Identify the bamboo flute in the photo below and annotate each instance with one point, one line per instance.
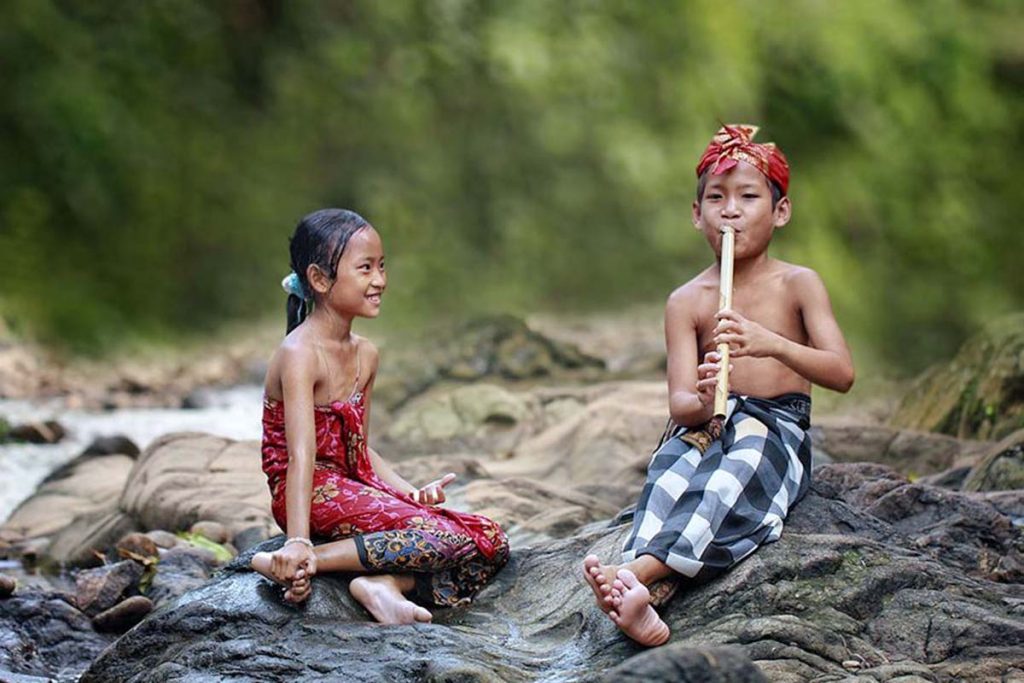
(724, 301)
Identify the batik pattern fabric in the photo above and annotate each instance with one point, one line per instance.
(452, 554)
(735, 143)
(701, 512)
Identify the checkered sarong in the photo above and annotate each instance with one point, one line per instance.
(702, 513)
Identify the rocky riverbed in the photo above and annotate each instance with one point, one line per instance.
(905, 562)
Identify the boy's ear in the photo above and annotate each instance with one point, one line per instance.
(696, 214)
(317, 279)
(783, 212)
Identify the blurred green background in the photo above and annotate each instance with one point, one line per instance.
(516, 155)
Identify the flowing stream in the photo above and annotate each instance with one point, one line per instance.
(234, 412)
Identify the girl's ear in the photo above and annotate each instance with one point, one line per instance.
(317, 279)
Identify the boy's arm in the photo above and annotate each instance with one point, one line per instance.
(824, 361)
(686, 405)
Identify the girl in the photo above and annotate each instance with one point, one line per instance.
(325, 482)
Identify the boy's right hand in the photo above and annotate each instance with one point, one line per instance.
(286, 561)
(707, 377)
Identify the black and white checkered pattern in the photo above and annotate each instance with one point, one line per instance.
(701, 514)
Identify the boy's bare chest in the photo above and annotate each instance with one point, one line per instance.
(765, 303)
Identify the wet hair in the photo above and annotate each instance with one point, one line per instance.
(777, 193)
(320, 239)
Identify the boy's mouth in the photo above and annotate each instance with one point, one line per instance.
(375, 297)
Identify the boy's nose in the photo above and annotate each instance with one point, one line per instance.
(730, 209)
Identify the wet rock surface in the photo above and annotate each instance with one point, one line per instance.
(856, 586)
(979, 394)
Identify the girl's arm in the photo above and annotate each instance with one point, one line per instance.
(298, 378)
(430, 494)
(382, 468)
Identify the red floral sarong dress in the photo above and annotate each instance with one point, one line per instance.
(451, 554)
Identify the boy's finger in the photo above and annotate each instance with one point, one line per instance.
(447, 479)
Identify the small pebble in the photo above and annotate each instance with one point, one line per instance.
(123, 615)
(7, 585)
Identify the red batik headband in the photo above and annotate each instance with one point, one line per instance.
(735, 143)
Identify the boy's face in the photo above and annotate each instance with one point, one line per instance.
(742, 198)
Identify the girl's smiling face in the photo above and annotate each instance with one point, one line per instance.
(361, 279)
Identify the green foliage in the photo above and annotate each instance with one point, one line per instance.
(514, 155)
(221, 553)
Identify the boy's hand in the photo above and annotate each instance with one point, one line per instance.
(744, 337)
(707, 377)
(433, 493)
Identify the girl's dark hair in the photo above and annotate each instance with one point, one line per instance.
(320, 239)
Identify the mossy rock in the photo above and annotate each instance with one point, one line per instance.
(979, 394)
(1001, 469)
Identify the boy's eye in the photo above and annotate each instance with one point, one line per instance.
(751, 195)
(713, 195)
(382, 265)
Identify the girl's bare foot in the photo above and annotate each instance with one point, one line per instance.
(633, 613)
(296, 591)
(382, 598)
(599, 577)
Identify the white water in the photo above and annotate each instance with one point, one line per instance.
(233, 413)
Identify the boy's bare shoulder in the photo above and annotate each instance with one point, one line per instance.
(798, 277)
(693, 291)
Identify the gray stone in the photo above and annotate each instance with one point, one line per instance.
(99, 589)
(900, 591)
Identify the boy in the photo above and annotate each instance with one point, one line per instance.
(708, 503)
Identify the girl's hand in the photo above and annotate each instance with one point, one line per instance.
(433, 493)
(744, 337)
(286, 562)
(707, 377)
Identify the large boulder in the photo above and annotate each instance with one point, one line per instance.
(501, 346)
(1001, 469)
(979, 394)
(180, 479)
(875, 579)
(187, 477)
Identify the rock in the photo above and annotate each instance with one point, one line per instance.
(138, 545)
(163, 539)
(123, 615)
(85, 486)
(247, 538)
(180, 570)
(911, 452)
(529, 509)
(842, 585)
(44, 636)
(679, 663)
(89, 539)
(979, 394)
(47, 431)
(491, 347)
(215, 531)
(1002, 468)
(99, 589)
(112, 445)
(474, 414)
(7, 585)
(610, 439)
(186, 477)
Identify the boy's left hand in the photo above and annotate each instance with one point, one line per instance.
(744, 337)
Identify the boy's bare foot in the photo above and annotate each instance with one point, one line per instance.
(599, 577)
(382, 598)
(633, 613)
(296, 591)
